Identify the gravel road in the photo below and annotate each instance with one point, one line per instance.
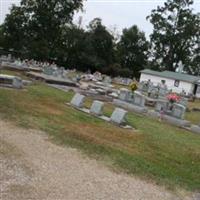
(32, 167)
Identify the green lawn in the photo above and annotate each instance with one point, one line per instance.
(156, 151)
(193, 116)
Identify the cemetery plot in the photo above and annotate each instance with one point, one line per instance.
(134, 152)
(118, 116)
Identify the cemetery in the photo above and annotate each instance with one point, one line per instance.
(100, 101)
(86, 124)
(148, 98)
(103, 111)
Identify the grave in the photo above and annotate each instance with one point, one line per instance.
(118, 116)
(195, 128)
(139, 99)
(78, 100)
(161, 104)
(178, 111)
(97, 108)
(11, 81)
(170, 119)
(183, 101)
(162, 92)
(124, 94)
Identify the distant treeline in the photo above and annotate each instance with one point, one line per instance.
(43, 30)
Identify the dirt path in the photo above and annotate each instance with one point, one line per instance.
(34, 168)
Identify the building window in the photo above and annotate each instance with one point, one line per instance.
(176, 83)
(163, 81)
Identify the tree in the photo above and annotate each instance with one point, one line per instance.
(14, 29)
(71, 50)
(99, 45)
(36, 25)
(175, 36)
(132, 50)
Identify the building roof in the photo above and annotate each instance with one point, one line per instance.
(173, 75)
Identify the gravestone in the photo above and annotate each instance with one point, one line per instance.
(161, 104)
(162, 92)
(97, 108)
(195, 128)
(124, 94)
(17, 83)
(78, 100)
(183, 101)
(139, 99)
(178, 111)
(118, 116)
(48, 70)
(153, 92)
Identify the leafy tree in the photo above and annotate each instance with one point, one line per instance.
(132, 50)
(99, 45)
(175, 36)
(36, 25)
(71, 50)
(14, 28)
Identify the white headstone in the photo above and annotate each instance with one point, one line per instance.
(178, 111)
(17, 83)
(118, 116)
(161, 104)
(139, 99)
(78, 100)
(97, 108)
(124, 94)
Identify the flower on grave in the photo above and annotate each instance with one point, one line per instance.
(173, 97)
(133, 86)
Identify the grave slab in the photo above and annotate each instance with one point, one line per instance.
(170, 119)
(178, 111)
(118, 116)
(78, 100)
(130, 106)
(195, 129)
(97, 108)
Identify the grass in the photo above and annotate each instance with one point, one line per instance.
(157, 151)
(193, 116)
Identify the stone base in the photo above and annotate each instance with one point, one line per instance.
(170, 119)
(195, 129)
(129, 106)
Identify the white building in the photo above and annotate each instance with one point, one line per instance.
(177, 82)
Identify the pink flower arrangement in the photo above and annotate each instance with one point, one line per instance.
(173, 97)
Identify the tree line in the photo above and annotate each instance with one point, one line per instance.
(44, 30)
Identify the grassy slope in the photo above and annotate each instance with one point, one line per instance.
(167, 154)
(194, 117)
(158, 151)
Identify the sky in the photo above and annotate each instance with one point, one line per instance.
(116, 14)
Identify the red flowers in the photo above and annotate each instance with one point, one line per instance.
(173, 97)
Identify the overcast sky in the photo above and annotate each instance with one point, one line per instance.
(114, 13)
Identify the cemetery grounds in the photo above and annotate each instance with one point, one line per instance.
(154, 151)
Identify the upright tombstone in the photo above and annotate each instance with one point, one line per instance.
(162, 91)
(139, 99)
(195, 128)
(119, 116)
(124, 94)
(97, 108)
(17, 83)
(161, 104)
(78, 100)
(48, 70)
(183, 101)
(178, 111)
(153, 92)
